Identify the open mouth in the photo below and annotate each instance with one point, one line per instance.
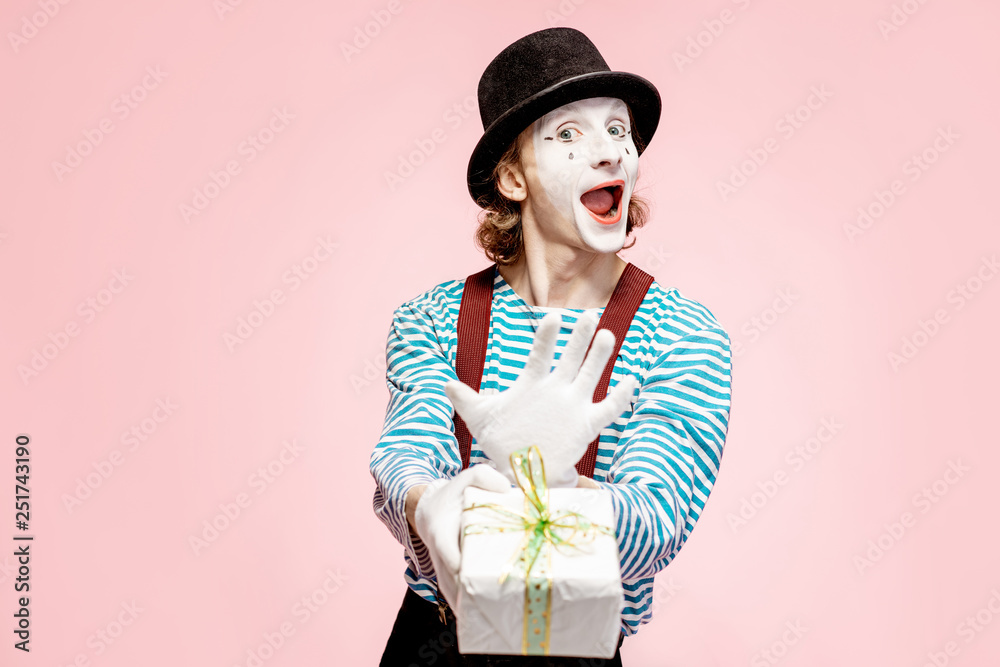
(604, 201)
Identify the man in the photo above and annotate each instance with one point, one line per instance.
(555, 172)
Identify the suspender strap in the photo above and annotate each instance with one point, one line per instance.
(473, 332)
(617, 316)
(474, 327)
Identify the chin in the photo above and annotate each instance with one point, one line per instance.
(609, 241)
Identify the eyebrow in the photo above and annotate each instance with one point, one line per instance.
(619, 109)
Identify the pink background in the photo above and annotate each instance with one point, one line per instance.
(312, 372)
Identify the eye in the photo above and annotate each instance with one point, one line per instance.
(617, 130)
(566, 133)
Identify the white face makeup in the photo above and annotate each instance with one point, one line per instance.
(587, 165)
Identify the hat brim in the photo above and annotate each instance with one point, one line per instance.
(641, 96)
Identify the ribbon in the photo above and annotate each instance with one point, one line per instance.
(543, 531)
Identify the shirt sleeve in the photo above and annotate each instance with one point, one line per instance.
(418, 443)
(668, 456)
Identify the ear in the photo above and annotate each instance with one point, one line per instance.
(511, 182)
(510, 177)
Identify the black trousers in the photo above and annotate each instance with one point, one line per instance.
(420, 639)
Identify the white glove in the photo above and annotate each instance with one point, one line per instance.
(551, 409)
(438, 519)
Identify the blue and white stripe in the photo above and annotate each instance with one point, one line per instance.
(659, 459)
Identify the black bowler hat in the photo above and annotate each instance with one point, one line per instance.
(541, 72)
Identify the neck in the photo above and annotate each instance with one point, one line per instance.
(566, 278)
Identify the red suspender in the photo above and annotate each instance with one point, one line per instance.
(473, 332)
(617, 316)
(474, 328)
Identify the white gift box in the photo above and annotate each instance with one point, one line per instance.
(583, 611)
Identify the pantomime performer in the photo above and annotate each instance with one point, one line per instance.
(640, 408)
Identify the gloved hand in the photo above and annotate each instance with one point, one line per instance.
(438, 520)
(554, 410)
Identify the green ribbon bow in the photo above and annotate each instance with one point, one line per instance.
(543, 531)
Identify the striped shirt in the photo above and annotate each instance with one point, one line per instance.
(659, 459)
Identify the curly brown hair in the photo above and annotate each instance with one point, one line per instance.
(499, 233)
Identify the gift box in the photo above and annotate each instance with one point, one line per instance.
(539, 570)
